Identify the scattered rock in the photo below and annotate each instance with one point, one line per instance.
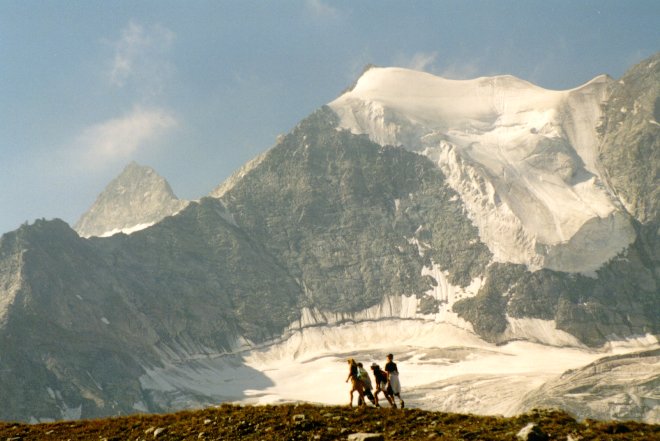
(365, 437)
(532, 432)
(277, 423)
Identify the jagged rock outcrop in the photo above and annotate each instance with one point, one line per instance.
(134, 200)
(353, 221)
(630, 147)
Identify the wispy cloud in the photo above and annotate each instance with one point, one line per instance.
(422, 61)
(139, 57)
(119, 138)
(431, 62)
(460, 71)
(320, 9)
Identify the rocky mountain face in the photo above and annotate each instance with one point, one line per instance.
(329, 223)
(89, 316)
(134, 200)
(630, 147)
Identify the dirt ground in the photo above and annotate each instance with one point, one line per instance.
(312, 422)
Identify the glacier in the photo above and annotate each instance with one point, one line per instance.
(523, 159)
(444, 365)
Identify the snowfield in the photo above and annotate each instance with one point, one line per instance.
(522, 158)
(443, 364)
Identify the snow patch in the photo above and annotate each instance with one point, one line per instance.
(66, 412)
(540, 331)
(71, 413)
(140, 406)
(127, 230)
(631, 344)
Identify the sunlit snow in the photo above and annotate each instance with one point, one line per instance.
(524, 159)
(444, 365)
(127, 230)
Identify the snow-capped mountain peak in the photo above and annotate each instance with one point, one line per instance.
(523, 158)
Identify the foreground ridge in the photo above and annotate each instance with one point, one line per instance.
(308, 421)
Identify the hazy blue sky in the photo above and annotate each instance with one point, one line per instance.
(195, 89)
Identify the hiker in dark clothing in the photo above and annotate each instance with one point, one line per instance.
(363, 375)
(393, 378)
(381, 385)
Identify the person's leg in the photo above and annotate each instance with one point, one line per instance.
(390, 395)
(369, 395)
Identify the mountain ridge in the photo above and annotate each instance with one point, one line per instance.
(325, 240)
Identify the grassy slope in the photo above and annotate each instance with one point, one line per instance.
(306, 421)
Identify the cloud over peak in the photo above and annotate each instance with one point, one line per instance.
(320, 9)
(119, 138)
(139, 57)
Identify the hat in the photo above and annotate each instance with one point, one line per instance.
(374, 365)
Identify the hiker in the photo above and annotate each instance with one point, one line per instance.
(393, 378)
(381, 385)
(363, 375)
(356, 384)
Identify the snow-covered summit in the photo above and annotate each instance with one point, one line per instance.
(523, 158)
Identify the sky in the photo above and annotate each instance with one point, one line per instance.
(195, 89)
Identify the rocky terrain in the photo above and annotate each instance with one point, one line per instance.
(335, 226)
(134, 200)
(310, 422)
